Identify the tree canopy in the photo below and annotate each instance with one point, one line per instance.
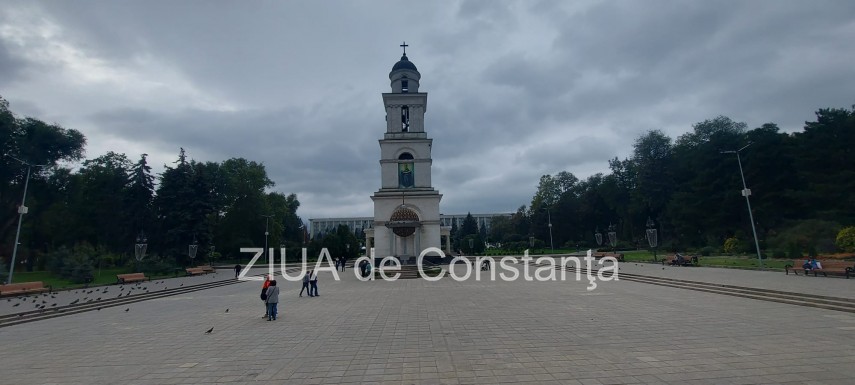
(102, 207)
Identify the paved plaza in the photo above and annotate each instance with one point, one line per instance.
(448, 332)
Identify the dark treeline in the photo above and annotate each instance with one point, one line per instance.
(88, 216)
(802, 191)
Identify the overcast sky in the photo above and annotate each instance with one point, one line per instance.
(515, 89)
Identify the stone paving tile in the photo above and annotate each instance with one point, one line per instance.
(447, 332)
(774, 280)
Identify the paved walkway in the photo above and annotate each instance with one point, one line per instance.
(447, 332)
(774, 280)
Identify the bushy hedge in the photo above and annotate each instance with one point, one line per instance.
(155, 265)
(845, 239)
(4, 271)
(732, 245)
(76, 265)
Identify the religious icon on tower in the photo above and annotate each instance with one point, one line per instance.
(405, 175)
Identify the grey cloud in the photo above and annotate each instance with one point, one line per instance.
(11, 67)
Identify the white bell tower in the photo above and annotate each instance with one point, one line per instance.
(406, 208)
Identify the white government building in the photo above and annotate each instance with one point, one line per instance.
(406, 207)
(320, 226)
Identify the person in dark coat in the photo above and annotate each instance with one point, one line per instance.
(306, 285)
(313, 282)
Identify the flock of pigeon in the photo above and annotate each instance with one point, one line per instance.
(49, 301)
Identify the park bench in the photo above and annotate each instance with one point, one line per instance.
(617, 256)
(195, 271)
(206, 269)
(688, 260)
(841, 268)
(23, 288)
(132, 277)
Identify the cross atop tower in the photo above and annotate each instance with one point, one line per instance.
(404, 46)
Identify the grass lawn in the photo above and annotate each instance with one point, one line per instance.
(106, 277)
(742, 262)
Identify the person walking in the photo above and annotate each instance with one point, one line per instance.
(237, 270)
(272, 301)
(264, 288)
(313, 289)
(343, 261)
(306, 285)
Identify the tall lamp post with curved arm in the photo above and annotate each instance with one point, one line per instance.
(652, 236)
(266, 234)
(139, 248)
(22, 209)
(746, 192)
(192, 249)
(613, 237)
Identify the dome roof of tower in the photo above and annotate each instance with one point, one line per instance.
(404, 64)
(403, 221)
(404, 214)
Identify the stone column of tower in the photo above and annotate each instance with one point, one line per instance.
(406, 208)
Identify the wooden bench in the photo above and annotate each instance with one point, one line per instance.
(132, 277)
(206, 269)
(24, 288)
(833, 267)
(195, 271)
(688, 260)
(617, 256)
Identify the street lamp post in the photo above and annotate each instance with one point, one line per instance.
(139, 248)
(282, 251)
(266, 233)
(747, 192)
(652, 236)
(549, 222)
(612, 237)
(21, 211)
(549, 218)
(191, 251)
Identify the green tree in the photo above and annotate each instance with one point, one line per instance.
(244, 203)
(455, 235)
(732, 245)
(36, 142)
(140, 196)
(652, 159)
(705, 179)
(825, 159)
(500, 228)
(845, 239)
(185, 205)
(99, 202)
(548, 193)
(521, 222)
(469, 226)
